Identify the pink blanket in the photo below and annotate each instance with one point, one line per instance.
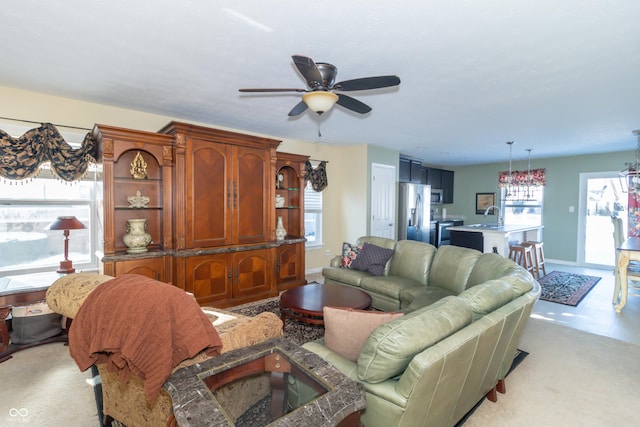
(137, 324)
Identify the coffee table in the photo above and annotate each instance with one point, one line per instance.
(305, 390)
(305, 303)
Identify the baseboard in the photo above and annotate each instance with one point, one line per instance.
(560, 262)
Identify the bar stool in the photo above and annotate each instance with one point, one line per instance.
(522, 255)
(538, 257)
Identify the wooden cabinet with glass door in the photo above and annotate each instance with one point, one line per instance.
(290, 254)
(137, 184)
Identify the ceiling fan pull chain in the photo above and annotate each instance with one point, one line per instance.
(319, 132)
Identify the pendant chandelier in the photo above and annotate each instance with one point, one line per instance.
(630, 176)
(529, 180)
(510, 186)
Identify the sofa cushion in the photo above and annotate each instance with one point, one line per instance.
(488, 296)
(414, 298)
(347, 329)
(344, 275)
(372, 258)
(391, 286)
(391, 347)
(349, 253)
(452, 266)
(412, 260)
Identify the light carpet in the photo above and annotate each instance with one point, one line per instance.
(42, 386)
(570, 377)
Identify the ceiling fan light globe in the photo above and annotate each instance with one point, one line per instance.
(320, 101)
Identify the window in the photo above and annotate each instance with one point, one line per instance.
(312, 216)
(26, 209)
(523, 207)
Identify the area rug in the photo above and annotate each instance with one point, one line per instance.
(298, 332)
(566, 288)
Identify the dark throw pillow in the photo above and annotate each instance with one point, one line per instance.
(372, 258)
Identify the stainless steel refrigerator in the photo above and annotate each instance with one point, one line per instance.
(414, 215)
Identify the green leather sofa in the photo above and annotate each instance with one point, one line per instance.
(465, 312)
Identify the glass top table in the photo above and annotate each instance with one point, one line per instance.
(304, 388)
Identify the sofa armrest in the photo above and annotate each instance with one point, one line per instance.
(66, 295)
(336, 261)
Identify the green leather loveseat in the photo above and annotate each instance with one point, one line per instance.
(464, 316)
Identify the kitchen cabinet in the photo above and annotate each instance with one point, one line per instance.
(440, 179)
(410, 170)
(434, 178)
(447, 186)
(492, 238)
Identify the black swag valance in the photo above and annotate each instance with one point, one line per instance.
(317, 175)
(20, 158)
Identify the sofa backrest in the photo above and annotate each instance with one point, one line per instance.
(391, 347)
(412, 259)
(452, 267)
(378, 241)
(487, 297)
(488, 267)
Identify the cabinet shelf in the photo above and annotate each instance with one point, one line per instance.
(127, 208)
(129, 179)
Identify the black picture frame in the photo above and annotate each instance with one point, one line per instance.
(483, 201)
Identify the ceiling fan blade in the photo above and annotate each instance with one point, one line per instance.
(272, 90)
(298, 109)
(353, 104)
(308, 69)
(367, 83)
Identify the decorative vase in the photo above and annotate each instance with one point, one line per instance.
(279, 201)
(136, 238)
(281, 233)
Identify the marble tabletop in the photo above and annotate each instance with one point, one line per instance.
(194, 404)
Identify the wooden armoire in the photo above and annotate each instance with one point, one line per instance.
(211, 213)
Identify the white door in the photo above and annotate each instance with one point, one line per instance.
(383, 200)
(601, 197)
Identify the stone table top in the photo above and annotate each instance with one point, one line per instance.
(195, 406)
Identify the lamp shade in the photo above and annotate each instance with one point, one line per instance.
(320, 101)
(66, 223)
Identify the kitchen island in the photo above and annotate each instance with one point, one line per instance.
(494, 238)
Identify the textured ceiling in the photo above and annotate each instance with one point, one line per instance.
(559, 77)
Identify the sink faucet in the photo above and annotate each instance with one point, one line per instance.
(497, 210)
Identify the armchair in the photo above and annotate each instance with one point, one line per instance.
(126, 401)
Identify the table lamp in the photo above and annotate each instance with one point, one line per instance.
(66, 223)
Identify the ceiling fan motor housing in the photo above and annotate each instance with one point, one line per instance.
(328, 73)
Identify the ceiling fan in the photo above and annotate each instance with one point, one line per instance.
(321, 96)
